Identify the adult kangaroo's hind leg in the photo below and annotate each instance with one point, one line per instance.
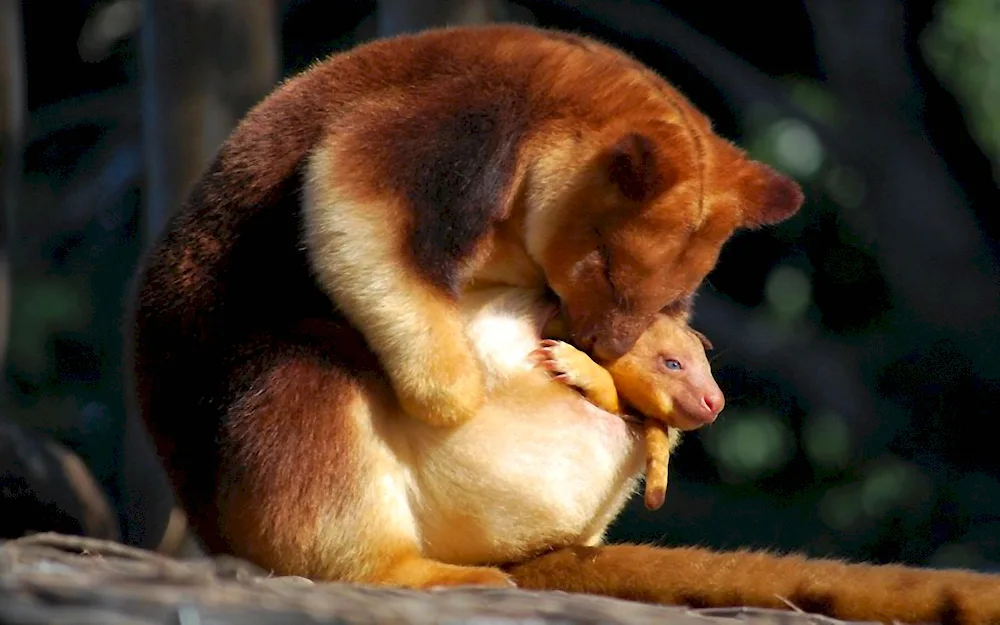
(701, 578)
(417, 572)
(308, 487)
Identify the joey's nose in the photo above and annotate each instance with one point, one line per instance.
(713, 403)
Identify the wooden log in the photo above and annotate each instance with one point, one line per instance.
(50, 578)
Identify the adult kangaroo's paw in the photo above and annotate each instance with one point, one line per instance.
(443, 396)
(424, 573)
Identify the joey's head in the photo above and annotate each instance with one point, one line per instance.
(642, 221)
(666, 375)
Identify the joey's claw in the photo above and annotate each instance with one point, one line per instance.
(552, 357)
(540, 356)
(572, 368)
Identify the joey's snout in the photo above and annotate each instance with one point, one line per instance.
(712, 404)
(705, 405)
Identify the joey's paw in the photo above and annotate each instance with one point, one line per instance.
(563, 361)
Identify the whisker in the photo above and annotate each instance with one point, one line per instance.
(733, 398)
(719, 354)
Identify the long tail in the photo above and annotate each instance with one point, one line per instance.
(700, 578)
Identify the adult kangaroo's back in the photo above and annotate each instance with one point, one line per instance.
(228, 266)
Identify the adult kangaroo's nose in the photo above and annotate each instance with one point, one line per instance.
(608, 347)
(617, 333)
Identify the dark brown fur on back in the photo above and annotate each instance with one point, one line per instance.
(458, 154)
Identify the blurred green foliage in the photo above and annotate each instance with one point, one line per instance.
(40, 308)
(749, 445)
(963, 46)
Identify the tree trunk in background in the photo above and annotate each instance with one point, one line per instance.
(402, 16)
(205, 63)
(11, 135)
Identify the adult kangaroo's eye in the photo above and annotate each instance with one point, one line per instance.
(673, 365)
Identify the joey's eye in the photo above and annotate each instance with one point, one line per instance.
(673, 365)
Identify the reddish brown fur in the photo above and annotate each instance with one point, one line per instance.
(702, 578)
(203, 294)
(295, 390)
(247, 403)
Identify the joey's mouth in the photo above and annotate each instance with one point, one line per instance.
(687, 422)
(677, 419)
(633, 420)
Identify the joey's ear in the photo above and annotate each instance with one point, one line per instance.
(707, 344)
(769, 197)
(639, 164)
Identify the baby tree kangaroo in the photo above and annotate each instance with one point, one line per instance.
(665, 378)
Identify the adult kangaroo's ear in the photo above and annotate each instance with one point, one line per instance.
(768, 197)
(644, 161)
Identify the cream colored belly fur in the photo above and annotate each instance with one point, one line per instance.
(538, 467)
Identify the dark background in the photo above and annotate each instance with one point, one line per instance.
(856, 343)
